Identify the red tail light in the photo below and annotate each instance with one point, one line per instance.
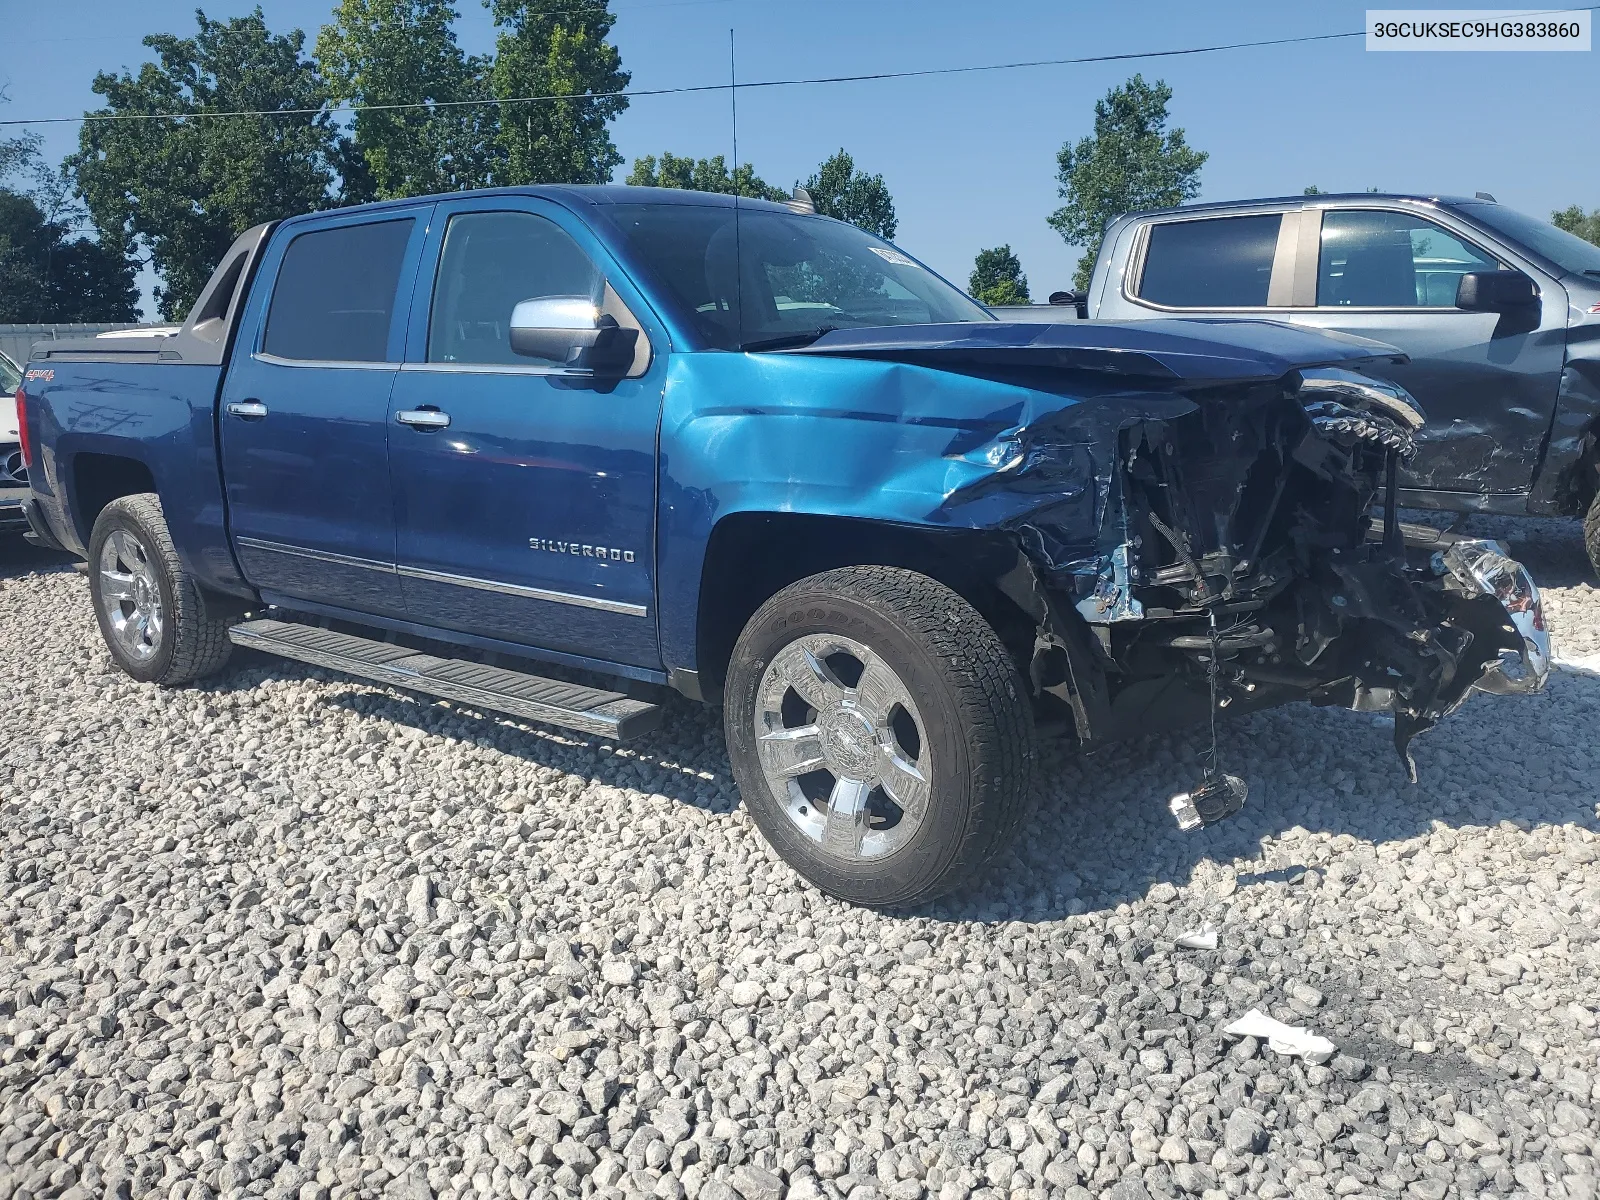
(22, 430)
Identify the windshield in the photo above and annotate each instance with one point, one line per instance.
(1563, 250)
(800, 275)
(10, 375)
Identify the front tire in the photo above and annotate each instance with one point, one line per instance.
(880, 734)
(151, 611)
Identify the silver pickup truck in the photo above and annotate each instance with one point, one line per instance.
(1498, 314)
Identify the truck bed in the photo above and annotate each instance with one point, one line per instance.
(106, 417)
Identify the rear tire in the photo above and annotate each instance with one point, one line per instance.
(880, 734)
(151, 611)
(1591, 533)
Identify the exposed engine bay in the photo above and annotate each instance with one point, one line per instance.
(1240, 567)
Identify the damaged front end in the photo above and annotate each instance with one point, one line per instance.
(1238, 566)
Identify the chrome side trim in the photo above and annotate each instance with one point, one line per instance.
(274, 360)
(530, 593)
(427, 576)
(343, 560)
(446, 368)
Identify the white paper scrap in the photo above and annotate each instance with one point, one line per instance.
(1581, 664)
(1283, 1039)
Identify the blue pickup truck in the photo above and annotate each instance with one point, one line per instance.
(555, 451)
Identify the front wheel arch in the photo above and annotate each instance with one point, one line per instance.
(752, 555)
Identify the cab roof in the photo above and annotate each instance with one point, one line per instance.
(1212, 206)
(571, 194)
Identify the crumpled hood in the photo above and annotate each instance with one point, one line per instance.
(1201, 351)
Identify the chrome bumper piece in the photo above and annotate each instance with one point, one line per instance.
(1483, 567)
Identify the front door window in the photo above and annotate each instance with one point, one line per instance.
(492, 261)
(1374, 259)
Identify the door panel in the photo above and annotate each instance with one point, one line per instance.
(304, 420)
(1487, 381)
(531, 516)
(308, 483)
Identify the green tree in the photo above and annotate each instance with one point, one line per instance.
(45, 273)
(997, 278)
(701, 175)
(839, 190)
(48, 275)
(18, 153)
(1130, 162)
(556, 48)
(1312, 190)
(1574, 220)
(179, 191)
(394, 52)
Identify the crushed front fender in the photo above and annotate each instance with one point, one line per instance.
(1249, 509)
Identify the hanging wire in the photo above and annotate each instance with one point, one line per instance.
(926, 72)
(633, 93)
(1213, 670)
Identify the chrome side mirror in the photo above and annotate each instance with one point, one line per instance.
(572, 331)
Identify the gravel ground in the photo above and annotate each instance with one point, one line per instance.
(294, 936)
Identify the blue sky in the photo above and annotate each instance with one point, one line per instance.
(971, 158)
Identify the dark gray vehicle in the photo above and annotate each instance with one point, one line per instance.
(1498, 313)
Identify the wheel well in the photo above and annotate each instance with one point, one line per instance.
(97, 480)
(751, 556)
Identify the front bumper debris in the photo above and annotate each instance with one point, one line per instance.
(1227, 558)
(1482, 567)
(1219, 796)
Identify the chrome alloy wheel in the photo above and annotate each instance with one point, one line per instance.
(131, 595)
(843, 746)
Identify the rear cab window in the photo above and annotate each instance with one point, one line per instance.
(336, 293)
(1210, 262)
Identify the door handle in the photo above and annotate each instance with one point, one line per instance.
(423, 418)
(250, 410)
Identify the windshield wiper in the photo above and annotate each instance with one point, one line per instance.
(788, 341)
(1591, 270)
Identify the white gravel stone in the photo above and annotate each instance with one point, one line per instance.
(285, 934)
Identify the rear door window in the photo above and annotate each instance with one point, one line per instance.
(1221, 262)
(1374, 259)
(335, 297)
